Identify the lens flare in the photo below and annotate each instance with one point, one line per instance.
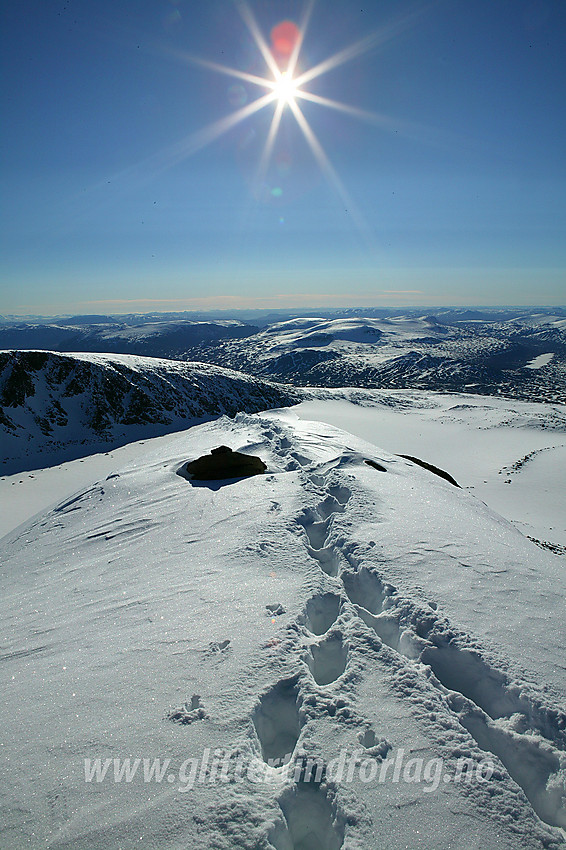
(284, 37)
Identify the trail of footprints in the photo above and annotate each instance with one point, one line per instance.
(478, 695)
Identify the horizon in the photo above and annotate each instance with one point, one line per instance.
(309, 312)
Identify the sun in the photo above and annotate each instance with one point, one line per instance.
(285, 88)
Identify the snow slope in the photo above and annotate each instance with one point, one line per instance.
(324, 609)
(59, 403)
(511, 454)
(342, 334)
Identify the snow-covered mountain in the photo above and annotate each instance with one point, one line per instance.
(394, 642)
(158, 338)
(518, 353)
(522, 358)
(62, 404)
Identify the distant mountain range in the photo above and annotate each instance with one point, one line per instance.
(170, 339)
(520, 358)
(518, 353)
(68, 405)
(264, 318)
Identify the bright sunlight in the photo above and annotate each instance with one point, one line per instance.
(286, 88)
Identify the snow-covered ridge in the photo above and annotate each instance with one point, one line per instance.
(302, 333)
(65, 402)
(154, 338)
(323, 607)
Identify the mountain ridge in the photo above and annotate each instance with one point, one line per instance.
(515, 353)
(71, 403)
(323, 608)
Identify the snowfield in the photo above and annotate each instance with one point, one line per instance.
(510, 454)
(302, 333)
(318, 652)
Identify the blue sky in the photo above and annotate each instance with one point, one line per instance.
(454, 194)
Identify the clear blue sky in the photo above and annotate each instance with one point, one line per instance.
(111, 204)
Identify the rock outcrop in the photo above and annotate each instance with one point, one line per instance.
(432, 468)
(223, 463)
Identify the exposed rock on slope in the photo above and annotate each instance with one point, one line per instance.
(53, 402)
(223, 463)
(432, 468)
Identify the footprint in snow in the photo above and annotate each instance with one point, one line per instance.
(365, 588)
(218, 646)
(188, 712)
(277, 721)
(321, 611)
(481, 697)
(376, 747)
(311, 821)
(327, 660)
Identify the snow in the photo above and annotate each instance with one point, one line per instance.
(152, 329)
(509, 454)
(29, 493)
(324, 611)
(540, 361)
(363, 331)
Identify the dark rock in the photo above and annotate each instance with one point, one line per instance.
(375, 465)
(223, 463)
(431, 468)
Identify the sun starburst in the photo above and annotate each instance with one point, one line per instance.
(284, 87)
